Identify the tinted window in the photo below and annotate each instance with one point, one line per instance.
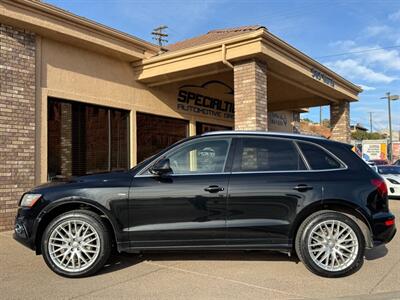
(261, 154)
(85, 139)
(200, 157)
(317, 158)
(155, 133)
(204, 127)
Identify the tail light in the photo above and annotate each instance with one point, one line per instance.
(381, 187)
(389, 223)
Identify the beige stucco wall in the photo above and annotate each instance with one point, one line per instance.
(72, 73)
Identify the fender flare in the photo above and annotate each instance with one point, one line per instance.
(77, 201)
(339, 203)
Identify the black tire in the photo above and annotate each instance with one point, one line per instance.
(302, 246)
(96, 224)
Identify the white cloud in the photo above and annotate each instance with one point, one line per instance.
(383, 33)
(367, 88)
(388, 58)
(395, 16)
(384, 58)
(353, 69)
(343, 44)
(376, 30)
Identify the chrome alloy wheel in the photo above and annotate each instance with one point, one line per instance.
(333, 245)
(74, 245)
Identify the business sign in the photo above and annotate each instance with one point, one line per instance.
(215, 99)
(396, 150)
(318, 75)
(281, 121)
(374, 149)
(212, 98)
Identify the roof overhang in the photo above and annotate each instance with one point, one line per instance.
(50, 21)
(285, 63)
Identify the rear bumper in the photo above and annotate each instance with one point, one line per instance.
(383, 228)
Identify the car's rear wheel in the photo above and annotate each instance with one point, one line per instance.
(76, 244)
(330, 244)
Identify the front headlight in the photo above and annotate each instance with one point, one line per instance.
(393, 181)
(28, 200)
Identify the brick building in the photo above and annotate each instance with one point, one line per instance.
(78, 97)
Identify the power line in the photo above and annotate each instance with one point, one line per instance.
(360, 51)
(370, 121)
(159, 35)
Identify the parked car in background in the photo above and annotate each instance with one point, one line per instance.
(391, 174)
(371, 164)
(222, 190)
(379, 162)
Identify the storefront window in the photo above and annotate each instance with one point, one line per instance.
(204, 127)
(155, 133)
(86, 139)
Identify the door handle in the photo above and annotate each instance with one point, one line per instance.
(303, 187)
(214, 189)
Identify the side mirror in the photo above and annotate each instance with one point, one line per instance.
(161, 167)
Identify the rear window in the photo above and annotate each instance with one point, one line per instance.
(318, 158)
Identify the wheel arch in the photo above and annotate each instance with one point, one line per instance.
(350, 209)
(65, 205)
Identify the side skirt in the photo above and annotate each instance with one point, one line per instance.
(274, 247)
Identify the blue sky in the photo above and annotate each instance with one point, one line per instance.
(321, 29)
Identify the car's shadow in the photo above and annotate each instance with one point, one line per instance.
(376, 252)
(121, 261)
(125, 260)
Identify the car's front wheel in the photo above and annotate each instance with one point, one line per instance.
(76, 244)
(330, 244)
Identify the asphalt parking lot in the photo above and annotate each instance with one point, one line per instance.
(204, 275)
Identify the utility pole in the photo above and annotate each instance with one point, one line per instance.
(370, 122)
(390, 98)
(159, 35)
(320, 116)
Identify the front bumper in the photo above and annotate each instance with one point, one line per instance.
(23, 228)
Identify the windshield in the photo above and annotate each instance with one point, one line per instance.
(389, 170)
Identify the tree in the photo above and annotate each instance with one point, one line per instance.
(307, 120)
(363, 135)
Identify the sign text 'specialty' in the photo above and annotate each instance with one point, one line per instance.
(316, 74)
(198, 103)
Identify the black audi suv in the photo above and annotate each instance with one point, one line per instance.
(223, 190)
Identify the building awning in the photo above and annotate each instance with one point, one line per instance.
(294, 79)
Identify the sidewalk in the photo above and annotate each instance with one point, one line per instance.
(204, 275)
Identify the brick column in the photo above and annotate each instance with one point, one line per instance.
(17, 119)
(250, 80)
(340, 121)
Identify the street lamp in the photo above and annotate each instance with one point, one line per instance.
(390, 98)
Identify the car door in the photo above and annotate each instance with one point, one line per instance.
(335, 176)
(186, 207)
(269, 184)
